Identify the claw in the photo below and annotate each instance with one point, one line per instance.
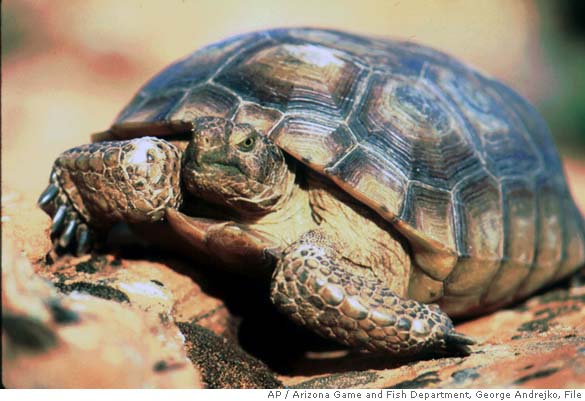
(68, 234)
(460, 339)
(458, 343)
(59, 219)
(48, 195)
(274, 253)
(83, 240)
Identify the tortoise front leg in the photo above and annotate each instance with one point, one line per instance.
(311, 285)
(94, 186)
(235, 246)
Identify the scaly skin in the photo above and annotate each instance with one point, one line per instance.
(311, 286)
(94, 186)
(135, 181)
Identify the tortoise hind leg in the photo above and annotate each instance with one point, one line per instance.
(95, 186)
(311, 285)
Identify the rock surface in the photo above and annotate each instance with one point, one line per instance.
(103, 322)
(51, 340)
(147, 319)
(538, 344)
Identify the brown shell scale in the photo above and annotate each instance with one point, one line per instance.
(463, 166)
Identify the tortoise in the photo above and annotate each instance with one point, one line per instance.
(388, 186)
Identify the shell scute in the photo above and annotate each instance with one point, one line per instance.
(479, 215)
(204, 101)
(575, 240)
(295, 78)
(520, 235)
(316, 143)
(371, 178)
(459, 163)
(498, 133)
(533, 123)
(263, 119)
(154, 109)
(428, 209)
(550, 234)
(411, 123)
(149, 111)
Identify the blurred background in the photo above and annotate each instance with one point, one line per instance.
(68, 66)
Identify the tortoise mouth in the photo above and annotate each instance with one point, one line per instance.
(226, 168)
(201, 165)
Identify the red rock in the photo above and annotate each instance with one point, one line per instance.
(81, 341)
(148, 285)
(25, 224)
(119, 314)
(538, 344)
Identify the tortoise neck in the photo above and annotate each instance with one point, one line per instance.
(278, 198)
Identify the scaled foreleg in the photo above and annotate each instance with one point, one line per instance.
(94, 186)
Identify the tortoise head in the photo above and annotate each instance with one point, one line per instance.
(235, 166)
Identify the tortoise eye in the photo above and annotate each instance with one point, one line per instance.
(247, 144)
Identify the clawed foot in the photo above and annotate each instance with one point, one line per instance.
(69, 231)
(317, 288)
(457, 343)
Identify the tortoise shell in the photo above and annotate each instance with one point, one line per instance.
(459, 163)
